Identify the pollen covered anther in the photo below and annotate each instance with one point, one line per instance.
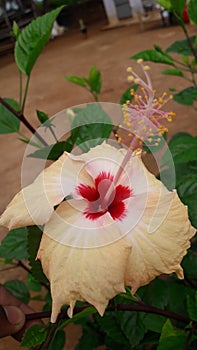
(145, 109)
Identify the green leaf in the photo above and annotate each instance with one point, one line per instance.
(16, 30)
(178, 6)
(182, 47)
(132, 326)
(192, 11)
(183, 148)
(153, 322)
(173, 71)
(58, 341)
(187, 191)
(192, 308)
(32, 283)
(52, 152)
(34, 335)
(166, 4)
(76, 80)
(8, 122)
(48, 302)
(89, 341)
(186, 59)
(92, 125)
(34, 238)
(156, 293)
(154, 56)
(14, 245)
(172, 343)
(32, 40)
(94, 80)
(171, 338)
(111, 327)
(42, 116)
(19, 290)
(177, 295)
(168, 330)
(127, 95)
(161, 51)
(189, 264)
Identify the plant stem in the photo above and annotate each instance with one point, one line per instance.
(139, 307)
(53, 133)
(25, 94)
(8, 268)
(22, 118)
(193, 78)
(189, 40)
(20, 88)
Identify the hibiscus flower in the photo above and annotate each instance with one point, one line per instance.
(113, 232)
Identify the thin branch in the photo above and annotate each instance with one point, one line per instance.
(22, 118)
(38, 315)
(8, 268)
(152, 310)
(25, 94)
(193, 50)
(20, 88)
(190, 43)
(53, 133)
(119, 307)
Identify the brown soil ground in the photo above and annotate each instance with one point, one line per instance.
(71, 54)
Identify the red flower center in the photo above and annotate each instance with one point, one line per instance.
(95, 196)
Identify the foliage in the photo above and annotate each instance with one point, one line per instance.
(185, 66)
(92, 83)
(164, 313)
(31, 41)
(35, 335)
(8, 121)
(19, 290)
(14, 245)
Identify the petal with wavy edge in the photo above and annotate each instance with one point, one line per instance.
(34, 204)
(160, 251)
(94, 275)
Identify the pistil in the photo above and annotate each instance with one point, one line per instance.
(108, 196)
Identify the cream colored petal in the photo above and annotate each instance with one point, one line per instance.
(69, 226)
(94, 275)
(34, 204)
(140, 179)
(104, 158)
(158, 251)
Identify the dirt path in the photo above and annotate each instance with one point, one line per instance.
(50, 92)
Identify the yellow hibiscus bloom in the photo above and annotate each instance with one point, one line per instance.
(92, 247)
